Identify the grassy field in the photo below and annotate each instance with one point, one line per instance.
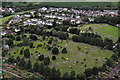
(20, 4)
(73, 54)
(4, 19)
(109, 30)
(79, 4)
(79, 55)
(104, 30)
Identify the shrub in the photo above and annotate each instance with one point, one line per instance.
(53, 57)
(55, 50)
(64, 50)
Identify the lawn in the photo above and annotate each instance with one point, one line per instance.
(109, 30)
(79, 55)
(4, 19)
(105, 30)
(79, 4)
(72, 53)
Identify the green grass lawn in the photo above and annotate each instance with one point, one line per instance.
(4, 19)
(79, 55)
(109, 30)
(79, 4)
(73, 54)
(105, 30)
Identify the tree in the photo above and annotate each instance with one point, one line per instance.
(109, 62)
(66, 22)
(36, 67)
(18, 38)
(28, 65)
(11, 59)
(18, 58)
(10, 42)
(62, 36)
(47, 71)
(46, 61)
(26, 41)
(33, 37)
(65, 75)
(58, 74)
(81, 76)
(22, 62)
(53, 57)
(41, 57)
(27, 53)
(72, 74)
(41, 69)
(88, 72)
(55, 50)
(52, 73)
(4, 52)
(31, 45)
(95, 71)
(64, 50)
(21, 52)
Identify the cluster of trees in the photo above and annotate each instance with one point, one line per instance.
(6, 14)
(94, 39)
(109, 20)
(33, 37)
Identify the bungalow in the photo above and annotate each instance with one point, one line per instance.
(91, 19)
(65, 9)
(49, 24)
(27, 15)
(6, 46)
(50, 20)
(3, 33)
(17, 30)
(44, 8)
(34, 20)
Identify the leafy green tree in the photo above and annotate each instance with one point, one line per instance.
(41, 69)
(62, 36)
(64, 50)
(22, 62)
(55, 50)
(66, 22)
(72, 74)
(18, 38)
(28, 65)
(88, 72)
(41, 57)
(95, 71)
(81, 76)
(33, 37)
(46, 61)
(52, 73)
(21, 51)
(4, 52)
(11, 59)
(58, 74)
(66, 75)
(31, 45)
(27, 53)
(53, 57)
(10, 42)
(36, 67)
(47, 71)
(18, 58)
(26, 41)
(109, 62)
